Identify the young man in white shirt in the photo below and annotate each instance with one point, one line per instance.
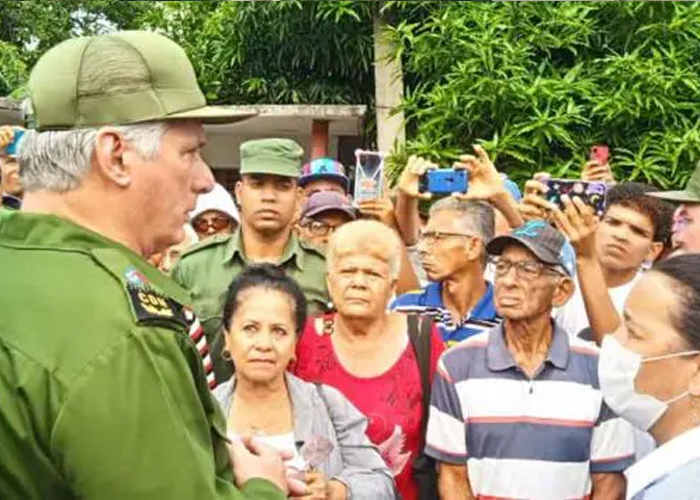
(630, 235)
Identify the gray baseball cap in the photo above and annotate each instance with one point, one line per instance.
(328, 201)
(549, 245)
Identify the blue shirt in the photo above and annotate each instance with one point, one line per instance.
(671, 472)
(481, 318)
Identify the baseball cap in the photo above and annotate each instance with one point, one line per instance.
(324, 168)
(217, 199)
(271, 156)
(549, 245)
(691, 193)
(327, 201)
(118, 79)
(12, 150)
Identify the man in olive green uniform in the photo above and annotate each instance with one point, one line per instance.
(270, 197)
(103, 393)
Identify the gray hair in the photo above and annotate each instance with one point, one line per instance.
(366, 237)
(475, 216)
(58, 160)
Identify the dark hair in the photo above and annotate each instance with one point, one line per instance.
(633, 195)
(266, 277)
(684, 270)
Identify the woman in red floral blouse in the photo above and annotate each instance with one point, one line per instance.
(365, 351)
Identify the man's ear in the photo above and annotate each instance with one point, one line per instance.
(565, 289)
(237, 192)
(475, 248)
(110, 157)
(656, 248)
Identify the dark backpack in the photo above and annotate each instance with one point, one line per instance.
(424, 468)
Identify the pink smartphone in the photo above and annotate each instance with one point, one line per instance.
(600, 153)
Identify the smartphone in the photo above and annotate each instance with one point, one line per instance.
(11, 149)
(592, 193)
(444, 181)
(369, 175)
(600, 153)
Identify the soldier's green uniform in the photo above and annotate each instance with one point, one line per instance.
(207, 269)
(103, 393)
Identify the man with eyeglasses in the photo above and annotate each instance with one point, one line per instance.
(215, 213)
(517, 412)
(452, 250)
(323, 213)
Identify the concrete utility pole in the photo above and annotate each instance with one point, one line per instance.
(388, 90)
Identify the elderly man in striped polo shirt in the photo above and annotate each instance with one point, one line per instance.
(517, 412)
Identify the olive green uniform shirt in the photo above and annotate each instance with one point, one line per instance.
(102, 392)
(208, 268)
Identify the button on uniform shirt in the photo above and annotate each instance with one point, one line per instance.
(525, 438)
(208, 268)
(481, 318)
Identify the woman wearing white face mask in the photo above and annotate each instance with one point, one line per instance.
(650, 375)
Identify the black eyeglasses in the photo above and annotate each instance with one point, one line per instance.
(524, 269)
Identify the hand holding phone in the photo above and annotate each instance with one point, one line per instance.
(600, 153)
(592, 193)
(598, 167)
(444, 181)
(369, 175)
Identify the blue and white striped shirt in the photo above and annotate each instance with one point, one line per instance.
(481, 318)
(520, 437)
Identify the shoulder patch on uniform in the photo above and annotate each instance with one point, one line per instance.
(151, 305)
(207, 243)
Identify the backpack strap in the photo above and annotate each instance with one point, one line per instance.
(419, 331)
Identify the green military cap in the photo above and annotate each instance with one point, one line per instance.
(691, 193)
(271, 156)
(118, 79)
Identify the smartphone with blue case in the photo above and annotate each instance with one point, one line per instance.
(444, 181)
(11, 149)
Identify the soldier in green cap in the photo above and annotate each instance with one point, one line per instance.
(686, 220)
(270, 197)
(103, 393)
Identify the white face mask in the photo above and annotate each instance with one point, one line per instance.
(617, 370)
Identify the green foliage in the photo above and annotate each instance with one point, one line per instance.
(275, 52)
(13, 71)
(538, 83)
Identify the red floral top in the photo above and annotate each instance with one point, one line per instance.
(391, 401)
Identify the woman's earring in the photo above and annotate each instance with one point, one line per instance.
(226, 354)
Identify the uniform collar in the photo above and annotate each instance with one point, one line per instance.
(663, 460)
(293, 250)
(499, 357)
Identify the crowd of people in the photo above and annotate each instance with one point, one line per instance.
(284, 340)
